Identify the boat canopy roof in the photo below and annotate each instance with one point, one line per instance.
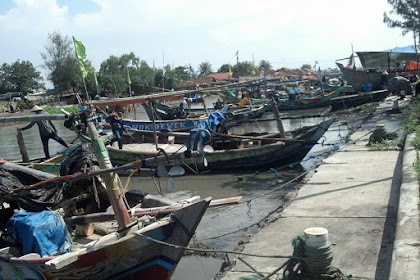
(388, 58)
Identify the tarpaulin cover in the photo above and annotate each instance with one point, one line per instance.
(205, 128)
(414, 65)
(44, 232)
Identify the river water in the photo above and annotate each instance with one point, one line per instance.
(220, 227)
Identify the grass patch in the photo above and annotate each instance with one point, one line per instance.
(388, 145)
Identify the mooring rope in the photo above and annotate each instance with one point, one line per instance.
(211, 250)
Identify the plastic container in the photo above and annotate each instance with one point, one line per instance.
(316, 237)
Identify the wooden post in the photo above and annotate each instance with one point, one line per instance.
(155, 136)
(110, 179)
(277, 117)
(189, 105)
(205, 106)
(22, 147)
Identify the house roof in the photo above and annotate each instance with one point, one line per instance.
(220, 76)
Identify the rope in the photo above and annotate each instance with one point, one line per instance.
(213, 251)
(282, 186)
(248, 202)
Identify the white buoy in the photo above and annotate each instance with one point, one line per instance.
(316, 237)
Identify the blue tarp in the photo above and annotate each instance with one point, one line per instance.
(407, 49)
(44, 232)
(205, 128)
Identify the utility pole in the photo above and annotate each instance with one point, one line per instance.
(237, 62)
(163, 76)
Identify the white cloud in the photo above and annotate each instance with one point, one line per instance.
(287, 33)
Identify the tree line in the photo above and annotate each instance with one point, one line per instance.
(112, 77)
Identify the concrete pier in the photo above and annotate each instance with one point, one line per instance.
(355, 194)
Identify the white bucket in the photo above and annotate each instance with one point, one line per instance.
(316, 237)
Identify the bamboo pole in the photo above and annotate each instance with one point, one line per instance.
(110, 179)
(139, 212)
(258, 138)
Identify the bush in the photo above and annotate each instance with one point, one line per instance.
(25, 104)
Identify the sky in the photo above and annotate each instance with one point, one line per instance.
(182, 32)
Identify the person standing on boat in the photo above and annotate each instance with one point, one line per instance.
(117, 128)
(47, 131)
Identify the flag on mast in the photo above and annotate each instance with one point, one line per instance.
(81, 56)
(230, 70)
(191, 71)
(94, 76)
(128, 77)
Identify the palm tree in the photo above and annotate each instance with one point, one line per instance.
(204, 69)
(264, 64)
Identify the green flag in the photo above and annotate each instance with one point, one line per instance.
(82, 68)
(80, 55)
(80, 49)
(128, 77)
(94, 76)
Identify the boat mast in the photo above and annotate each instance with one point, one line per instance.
(110, 179)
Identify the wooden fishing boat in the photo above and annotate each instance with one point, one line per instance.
(232, 112)
(159, 111)
(149, 247)
(307, 103)
(352, 100)
(162, 125)
(131, 253)
(240, 114)
(336, 100)
(143, 248)
(226, 152)
(359, 79)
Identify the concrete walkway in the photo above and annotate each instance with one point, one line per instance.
(355, 195)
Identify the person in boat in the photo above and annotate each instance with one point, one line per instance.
(47, 131)
(182, 107)
(115, 120)
(218, 104)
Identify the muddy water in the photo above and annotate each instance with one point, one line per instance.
(9, 148)
(222, 227)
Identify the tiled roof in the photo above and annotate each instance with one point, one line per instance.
(220, 76)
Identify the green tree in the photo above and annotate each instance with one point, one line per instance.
(405, 14)
(60, 60)
(306, 66)
(246, 68)
(224, 68)
(113, 75)
(142, 77)
(264, 64)
(182, 73)
(20, 76)
(204, 69)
